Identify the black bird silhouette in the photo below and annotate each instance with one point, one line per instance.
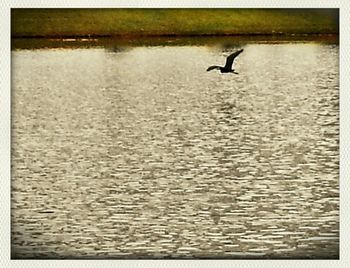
(228, 66)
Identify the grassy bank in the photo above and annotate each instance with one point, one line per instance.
(145, 22)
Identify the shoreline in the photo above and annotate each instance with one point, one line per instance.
(81, 41)
(177, 35)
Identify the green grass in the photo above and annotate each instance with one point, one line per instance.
(135, 22)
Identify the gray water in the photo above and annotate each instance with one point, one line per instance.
(140, 153)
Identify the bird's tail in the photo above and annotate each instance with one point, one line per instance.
(212, 68)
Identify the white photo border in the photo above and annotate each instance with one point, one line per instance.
(5, 129)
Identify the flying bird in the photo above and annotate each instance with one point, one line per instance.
(228, 66)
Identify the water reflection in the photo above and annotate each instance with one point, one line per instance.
(142, 153)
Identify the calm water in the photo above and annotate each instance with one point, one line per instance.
(139, 152)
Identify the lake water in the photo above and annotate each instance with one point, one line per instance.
(138, 152)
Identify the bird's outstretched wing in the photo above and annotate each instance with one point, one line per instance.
(212, 68)
(231, 58)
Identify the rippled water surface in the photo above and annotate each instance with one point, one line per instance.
(141, 153)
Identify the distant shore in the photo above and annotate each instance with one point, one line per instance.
(134, 23)
(118, 42)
